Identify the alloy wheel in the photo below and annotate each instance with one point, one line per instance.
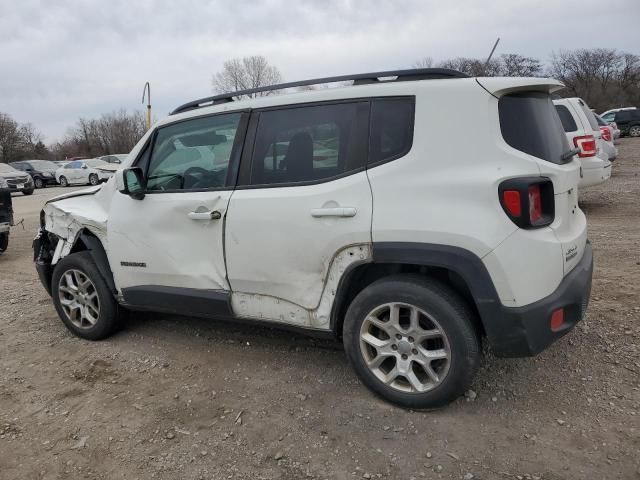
(79, 299)
(405, 347)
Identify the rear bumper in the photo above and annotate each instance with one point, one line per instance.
(595, 176)
(525, 331)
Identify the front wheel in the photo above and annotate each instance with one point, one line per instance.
(634, 131)
(63, 181)
(412, 341)
(82, 298)
(28, 192)
(93, 179)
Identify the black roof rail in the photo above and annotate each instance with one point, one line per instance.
(358, 79)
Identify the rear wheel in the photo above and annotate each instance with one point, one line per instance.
(412, 341)
(4, 241)
(634, 131)
(82, 298)
(38, 182)
(63, 181)
(93, 179)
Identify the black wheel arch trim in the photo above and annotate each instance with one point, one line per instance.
(99, 255)
(456, 259)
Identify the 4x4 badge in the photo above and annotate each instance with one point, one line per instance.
(572, 252)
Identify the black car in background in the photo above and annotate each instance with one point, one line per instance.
(6, 214)
(43, 172)
(16, 180)
(628, 122)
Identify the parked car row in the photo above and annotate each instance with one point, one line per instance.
(26, 175)
(595, 148)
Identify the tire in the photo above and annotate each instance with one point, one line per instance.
(443, 318)
(93, 179)
(38, 182)
(90, 312)
(4, 242)
(63, 181)
(634, 131)
(28, 192)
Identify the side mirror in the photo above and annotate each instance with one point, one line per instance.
(130, 181)
(84, 167)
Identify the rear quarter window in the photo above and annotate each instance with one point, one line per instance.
(568, 123)
(530, 123)
(591, 118)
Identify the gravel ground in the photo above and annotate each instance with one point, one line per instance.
(172, 397)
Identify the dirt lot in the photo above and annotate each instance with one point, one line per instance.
(180, 398)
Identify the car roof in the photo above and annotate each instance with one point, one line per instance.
(493, 85)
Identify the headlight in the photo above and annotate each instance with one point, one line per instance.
(3, 183)
(29, 180)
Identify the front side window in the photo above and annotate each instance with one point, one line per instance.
(76, 164)
(193, 154)
(391, 134)
(310, 143)
(568, 123)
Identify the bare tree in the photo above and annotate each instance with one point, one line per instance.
(19, 141)
(515, 65)
(9, 138)
(245, 74)
(426, 62)
(115, 132)
(605, 78)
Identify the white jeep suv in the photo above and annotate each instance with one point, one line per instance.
(342, 212)
(583, 132)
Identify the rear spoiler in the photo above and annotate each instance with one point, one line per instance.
(499, 86)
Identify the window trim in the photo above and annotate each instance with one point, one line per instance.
(405, 152)
(244, 176)
(234, 159)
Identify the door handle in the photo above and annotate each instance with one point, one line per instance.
(213, 215)
(334, 212)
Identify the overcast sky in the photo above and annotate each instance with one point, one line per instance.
(68, 59)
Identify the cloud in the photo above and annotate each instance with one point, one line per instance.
(68, 59)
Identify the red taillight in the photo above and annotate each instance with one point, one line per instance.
(535, 204)
(606, 133)
(528, 201)
(511, 199)
(586, 144)
(557, 320)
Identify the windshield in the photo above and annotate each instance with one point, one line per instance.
(43, 165)
(4, 168)
(96, 163)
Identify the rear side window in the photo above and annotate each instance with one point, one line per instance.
(391, 133)
(530, 123)
(568, 123)
(309, 144)
(590, 116)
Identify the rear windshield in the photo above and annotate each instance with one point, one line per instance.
(530, 123)
(566, 118)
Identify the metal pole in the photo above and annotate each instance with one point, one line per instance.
(486, 64)
(147, 90)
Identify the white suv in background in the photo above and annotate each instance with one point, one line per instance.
(343, 212)
(583, 132)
